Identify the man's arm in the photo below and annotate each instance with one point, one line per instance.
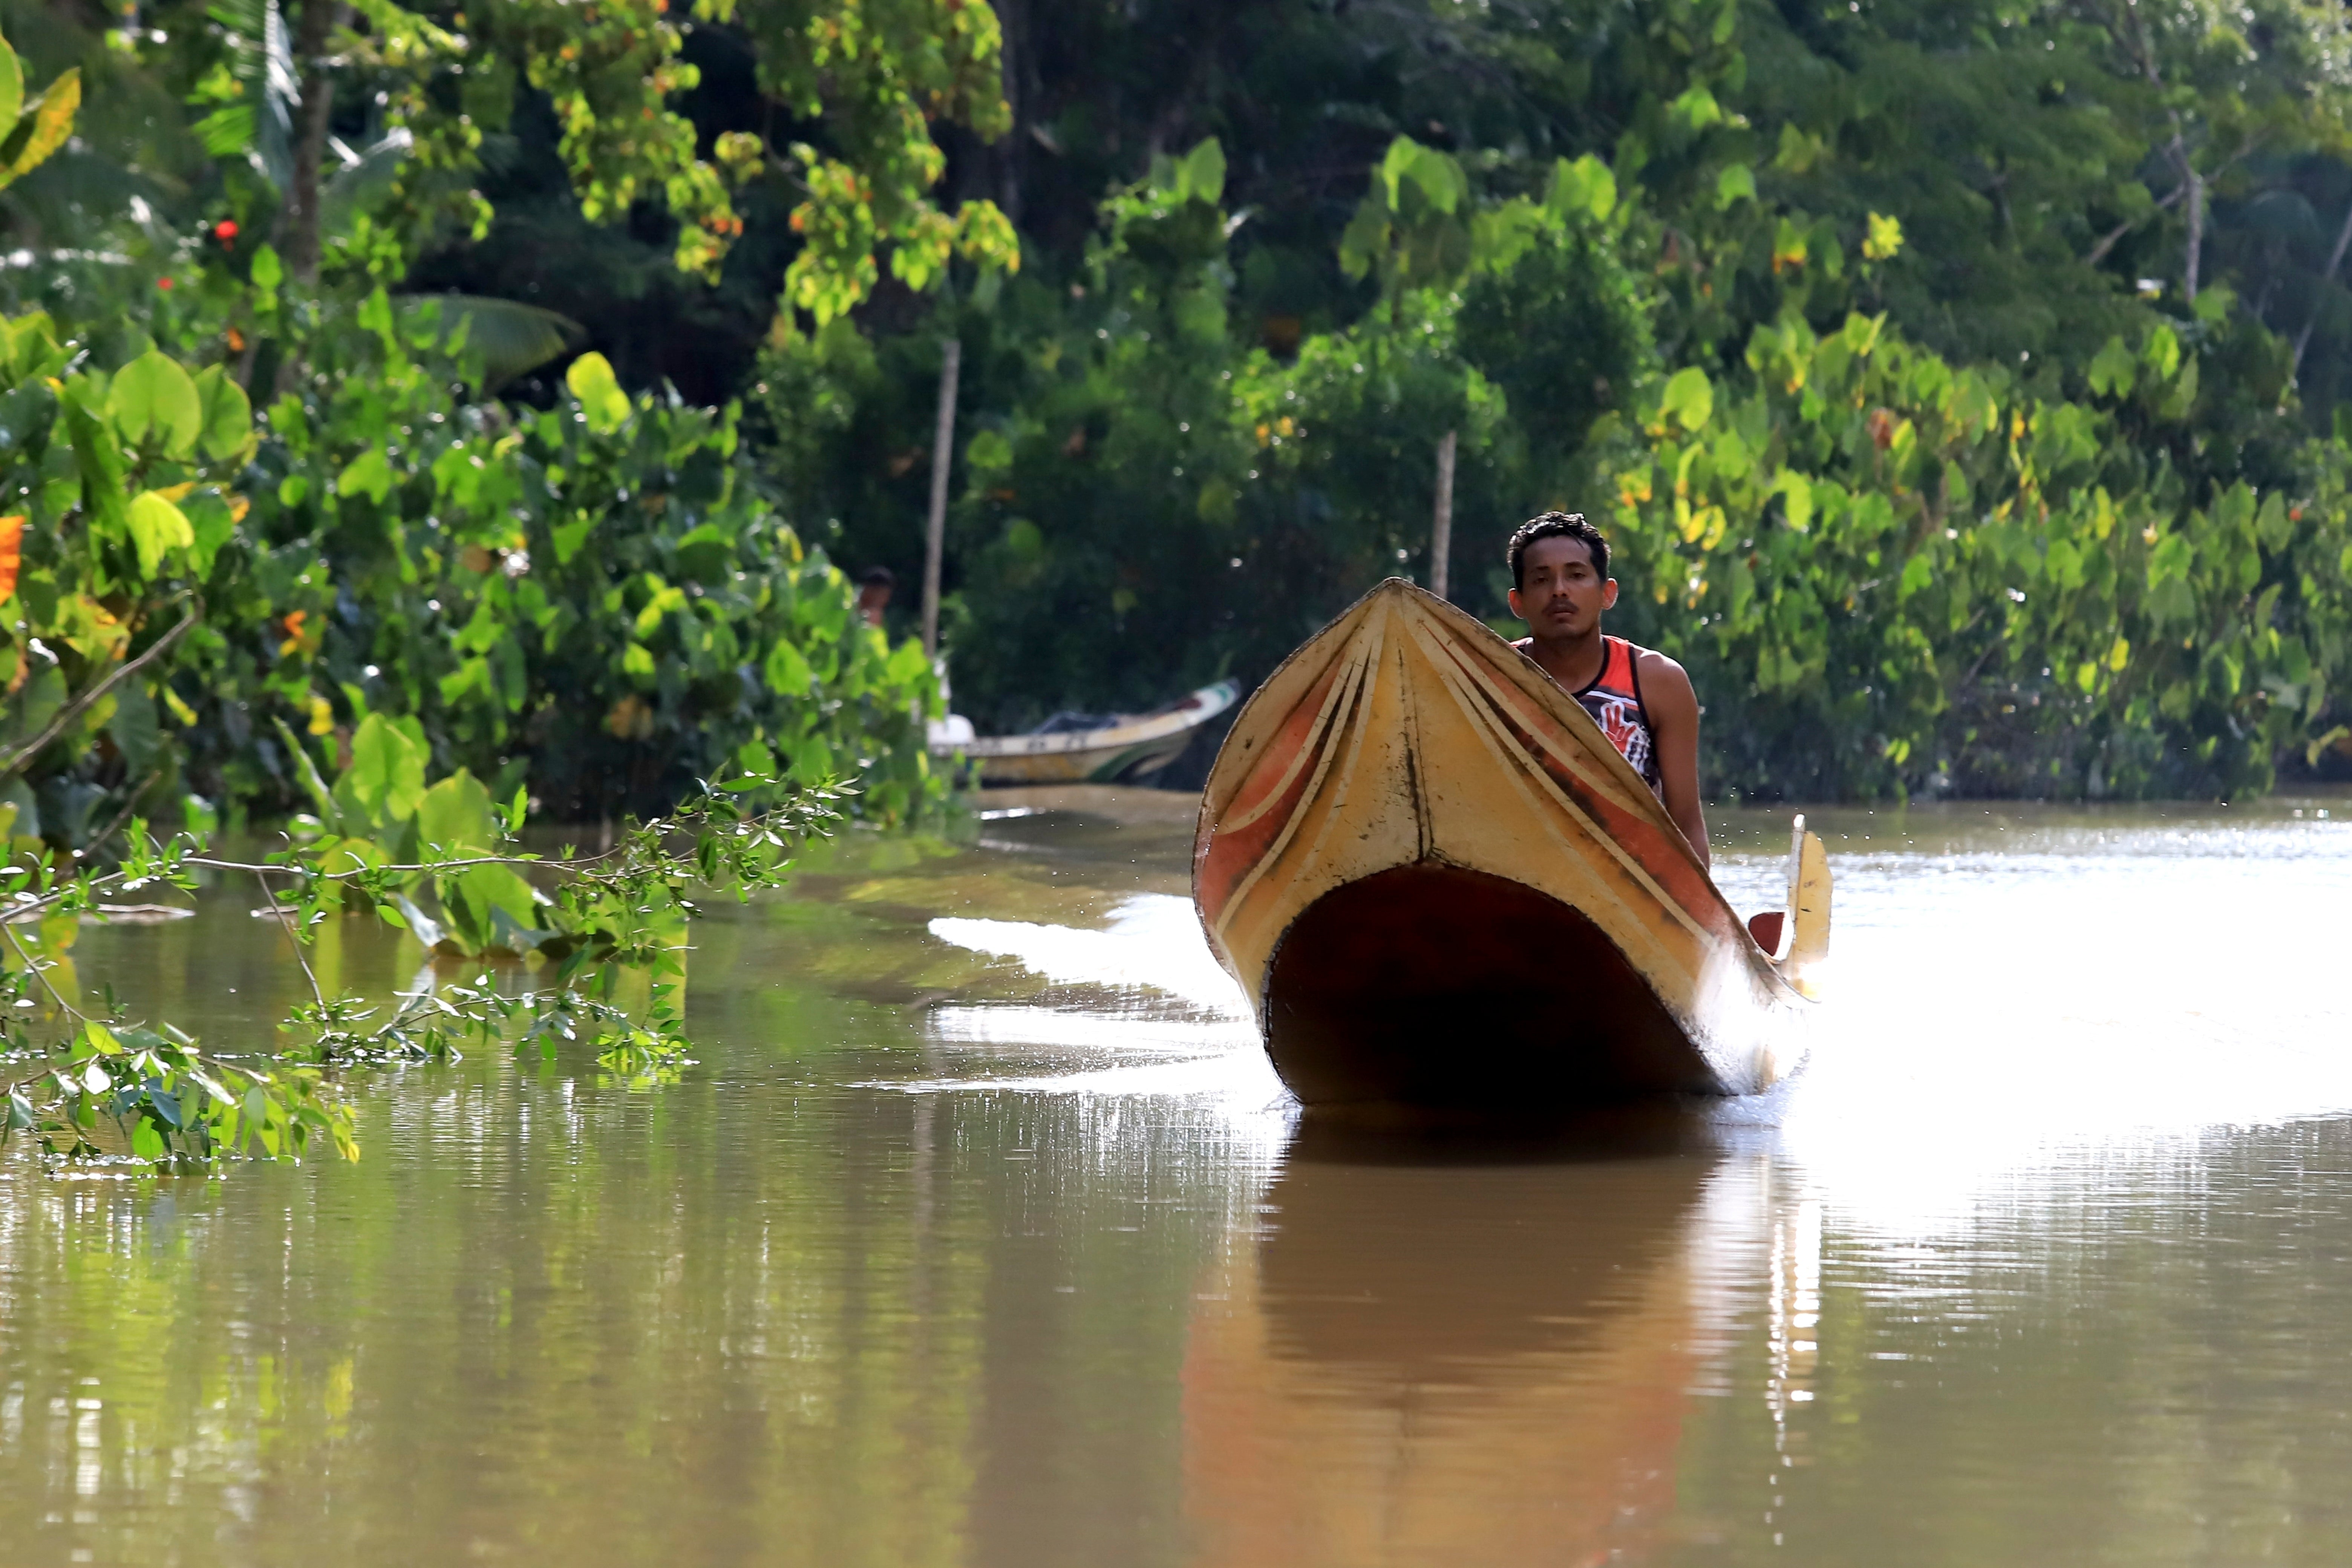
(1674, 725)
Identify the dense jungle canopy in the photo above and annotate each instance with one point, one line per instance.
(1959, 382)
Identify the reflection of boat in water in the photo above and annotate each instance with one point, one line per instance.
(1441, 885)
(1088, 748)
(1447, 1365)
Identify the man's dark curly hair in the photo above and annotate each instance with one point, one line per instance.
(1557, 526)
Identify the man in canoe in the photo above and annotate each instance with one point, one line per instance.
(1642, 700)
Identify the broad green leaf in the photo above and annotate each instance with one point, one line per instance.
(456, 814)
(1696, 109)
(908, 663)
(2272, 525)
(488, 888)
(156, 527)
(1201, 176)
(1689, 398)
(569, 536)
(637, 662)
(1586, 186)
(1916, 575)
(1737, 182)
(386, 778)
(12, 88)
(2113, 370)
(369, 474)
(215, 524)
(2162, 353)
(99, 456)
(227, 413)
(601, 398)
(705, 555)
(1796, 494)
(269, 272)
(154, 403)
(787, 672)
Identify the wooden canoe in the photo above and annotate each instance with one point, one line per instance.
(1124, 748)
(1441, 888)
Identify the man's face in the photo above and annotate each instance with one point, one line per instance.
(1560, 595)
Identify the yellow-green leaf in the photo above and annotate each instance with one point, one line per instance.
(1689, 398)
(12, 88)
(368, 474)
(157, 526)
(47, 122)
(154, 403)
(227, 413)
(601, 398)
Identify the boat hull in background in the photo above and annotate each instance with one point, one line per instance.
(1122, 753)
(1443, 888)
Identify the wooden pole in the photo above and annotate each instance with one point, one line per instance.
(942, 451)
(1440, 541)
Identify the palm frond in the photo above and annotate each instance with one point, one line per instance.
(505, 338)
(352, 188)
(262, 56)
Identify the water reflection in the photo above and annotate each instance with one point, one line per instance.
(1426, 1356)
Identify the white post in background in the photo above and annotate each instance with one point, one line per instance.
(942, 451)
(1440, 541)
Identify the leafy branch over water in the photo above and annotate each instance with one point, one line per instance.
(595, 920)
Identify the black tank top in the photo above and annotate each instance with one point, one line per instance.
(1614, 700)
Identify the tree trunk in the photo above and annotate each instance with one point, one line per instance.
(1440, 535)
(943, 452)
(298, 221)
(2196, 224)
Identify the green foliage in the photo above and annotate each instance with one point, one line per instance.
(1899, 574)
(594, 602)
(1149, 505)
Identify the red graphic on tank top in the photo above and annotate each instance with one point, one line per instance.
(1619, 718)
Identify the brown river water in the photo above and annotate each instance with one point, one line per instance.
(981, 1234)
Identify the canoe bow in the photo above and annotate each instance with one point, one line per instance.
(1441, 885)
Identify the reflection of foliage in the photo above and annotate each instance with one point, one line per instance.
(603, 918)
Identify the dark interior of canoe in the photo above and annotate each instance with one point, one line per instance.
(1430, 986)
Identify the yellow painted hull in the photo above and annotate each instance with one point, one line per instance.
(1441, 886)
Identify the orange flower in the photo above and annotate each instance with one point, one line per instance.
(293, 625)
(12, 555)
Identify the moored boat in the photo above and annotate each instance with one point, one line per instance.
(1111, 748)
(1441, 887)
